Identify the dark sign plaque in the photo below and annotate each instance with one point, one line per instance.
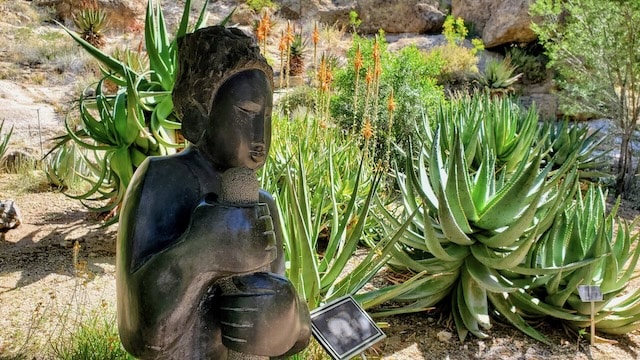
(344, 329)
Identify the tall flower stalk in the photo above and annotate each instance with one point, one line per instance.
(325, 79)
(263, 31)
(357, 65)
(289, 37)
(282, 47)
(391, 108)
(315, 39)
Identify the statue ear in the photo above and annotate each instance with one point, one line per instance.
(192, 124)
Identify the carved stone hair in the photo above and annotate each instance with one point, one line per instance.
(206, 59)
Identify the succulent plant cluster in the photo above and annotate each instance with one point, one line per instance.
(509, 232)
(119, 129)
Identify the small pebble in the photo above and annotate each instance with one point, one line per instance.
(444, 336)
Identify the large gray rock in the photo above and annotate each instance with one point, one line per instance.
(397, 16)
(122, 13)
(497, 21)
(28, 110)
(10, 217)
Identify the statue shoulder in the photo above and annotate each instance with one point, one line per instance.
(170, 166)
(157, 172)
(159, 181)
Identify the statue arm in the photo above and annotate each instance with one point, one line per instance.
(143, 254)
(277, 266)
(128, 303)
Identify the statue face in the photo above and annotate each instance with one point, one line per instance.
(239, 131)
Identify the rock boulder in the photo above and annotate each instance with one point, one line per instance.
(10, 217)
(497, 21)
(122, 13)
(407, 16)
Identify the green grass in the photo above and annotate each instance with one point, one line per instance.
(96, 339)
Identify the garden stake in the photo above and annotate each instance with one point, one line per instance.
(591, 294)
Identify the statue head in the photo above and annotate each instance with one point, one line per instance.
(223, 94)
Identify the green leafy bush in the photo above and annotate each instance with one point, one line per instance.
(258, 5)
(406, 79)
(533, 66)
(459, 62)
(594, 49)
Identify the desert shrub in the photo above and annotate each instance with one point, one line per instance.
(19, 12)
(47, 49)
(258, 5)
(460, 62)
(388, 90)
(412, 77)
(30, 47)
(532, 65)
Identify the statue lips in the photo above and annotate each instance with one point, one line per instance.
(258, 152)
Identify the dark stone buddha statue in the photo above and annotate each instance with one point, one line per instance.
(200, 264)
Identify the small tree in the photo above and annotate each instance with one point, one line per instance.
(594, 45)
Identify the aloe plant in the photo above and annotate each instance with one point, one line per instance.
(4, 143)
(92, 22)
(487, 127)
(498, 76)
(476, 223)
(585, 230)
(565, 138)
(324, 186)
(66, 166)
(122, 129)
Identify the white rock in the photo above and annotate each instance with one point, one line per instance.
(444, 336)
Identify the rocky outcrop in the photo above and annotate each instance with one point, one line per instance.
(497, 21)
(407, 16)
(122, 13)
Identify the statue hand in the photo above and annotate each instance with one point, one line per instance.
(226, 238)
(263, 315)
